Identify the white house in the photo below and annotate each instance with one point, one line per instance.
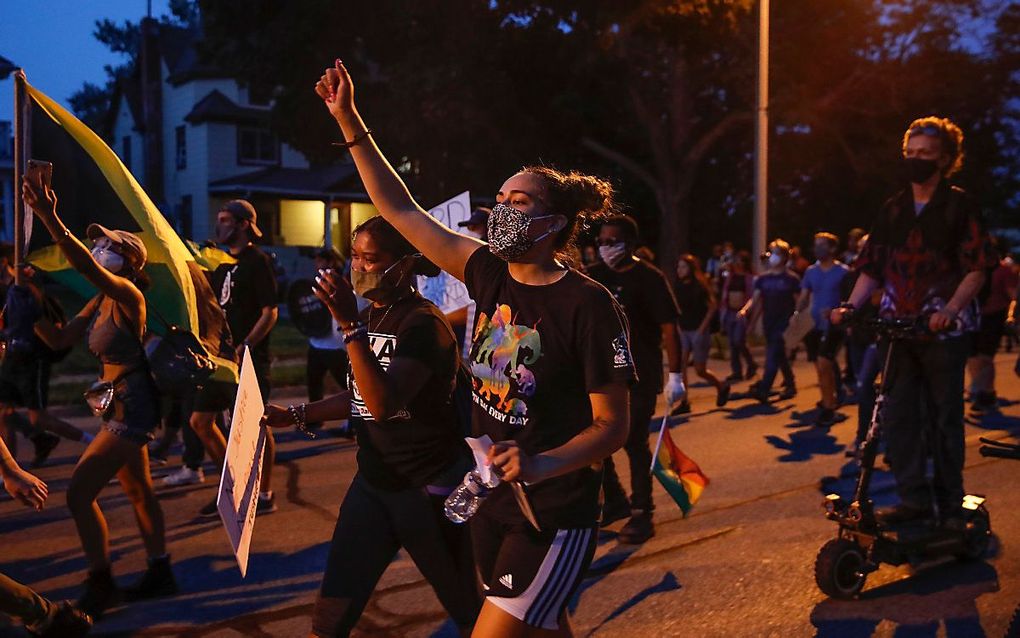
(213, 142)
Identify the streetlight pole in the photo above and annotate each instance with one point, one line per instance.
(761, 150)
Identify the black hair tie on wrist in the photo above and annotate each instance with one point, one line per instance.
(357, 139)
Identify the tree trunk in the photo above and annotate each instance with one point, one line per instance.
(674, 229)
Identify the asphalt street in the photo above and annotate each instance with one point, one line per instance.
(740, 565)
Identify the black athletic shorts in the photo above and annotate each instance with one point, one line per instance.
(531, 575)
(215, 396)
(988, 336)
(824, 343)
(25, 381)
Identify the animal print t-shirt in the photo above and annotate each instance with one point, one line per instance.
(536, 353)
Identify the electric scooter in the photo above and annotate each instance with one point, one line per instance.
(863, 542)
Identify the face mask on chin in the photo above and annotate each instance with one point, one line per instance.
(508, 232)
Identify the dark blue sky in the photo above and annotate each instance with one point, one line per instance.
(53, 41)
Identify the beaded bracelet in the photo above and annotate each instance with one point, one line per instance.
(297, 415)
(355, 333)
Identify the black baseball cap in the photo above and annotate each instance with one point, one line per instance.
(242, 209)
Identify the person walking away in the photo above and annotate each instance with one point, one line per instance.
(736, 292)
(550, 364)
(411, 454)
(25, 369)
(246, 291)
(647, 300)
(1000, 294)
(775, 298)
(697, 309)
(928, 251)
(821, 289)
(125, 397)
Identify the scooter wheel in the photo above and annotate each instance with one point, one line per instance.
(838, 569)
(978, 536)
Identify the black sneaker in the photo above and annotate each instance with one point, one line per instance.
(752, 371)
(100, 594)
(788, 392)
(157, 581)
(757, 392)
(209, 510)
(734, 377)
(826, 417)
(723, 395)
(68, 622)
(44, 443)
(637, 530)
(683, 408)
(266, 505)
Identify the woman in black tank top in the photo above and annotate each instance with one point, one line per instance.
(114, 323)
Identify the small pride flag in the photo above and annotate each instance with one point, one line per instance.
(681, 476)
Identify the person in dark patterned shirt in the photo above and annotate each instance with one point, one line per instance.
(928, 250)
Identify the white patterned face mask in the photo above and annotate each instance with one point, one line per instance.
(508, 232)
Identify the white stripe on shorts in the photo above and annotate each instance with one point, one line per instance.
(540, 604)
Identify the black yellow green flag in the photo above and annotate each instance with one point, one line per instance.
(94, 186)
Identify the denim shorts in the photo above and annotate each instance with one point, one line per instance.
(697, 343)
(136, 411)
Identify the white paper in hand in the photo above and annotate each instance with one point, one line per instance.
(480, 448)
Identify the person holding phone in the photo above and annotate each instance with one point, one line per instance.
(550, 364)
(113, 324)
(411, 454)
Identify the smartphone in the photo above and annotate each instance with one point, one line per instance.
(40, 172)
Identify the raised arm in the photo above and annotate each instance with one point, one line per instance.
(44, 202)
(445, 248)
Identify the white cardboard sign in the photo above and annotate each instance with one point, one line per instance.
(242, 469)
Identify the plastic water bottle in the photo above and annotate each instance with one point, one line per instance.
(464, 501)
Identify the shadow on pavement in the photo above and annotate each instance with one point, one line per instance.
(940, 598)
(804, 445)
(667, 584)
(756, 409)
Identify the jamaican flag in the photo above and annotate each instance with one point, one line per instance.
(93, 186)
(682, 478)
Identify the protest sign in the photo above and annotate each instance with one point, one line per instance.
(242, 468)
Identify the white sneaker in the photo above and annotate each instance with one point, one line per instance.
(184, 476)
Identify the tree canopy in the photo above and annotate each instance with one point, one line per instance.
(656, 95)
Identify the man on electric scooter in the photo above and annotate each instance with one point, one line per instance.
(928, 250)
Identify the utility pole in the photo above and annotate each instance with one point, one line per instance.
(761, 149)
(20, 158)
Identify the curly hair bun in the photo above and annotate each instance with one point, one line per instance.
(581, 198)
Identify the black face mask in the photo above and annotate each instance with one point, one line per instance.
(918, 170)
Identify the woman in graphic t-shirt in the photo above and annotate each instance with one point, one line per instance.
(411, 454)
(550, 366)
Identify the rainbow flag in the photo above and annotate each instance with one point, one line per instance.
(681, 476)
